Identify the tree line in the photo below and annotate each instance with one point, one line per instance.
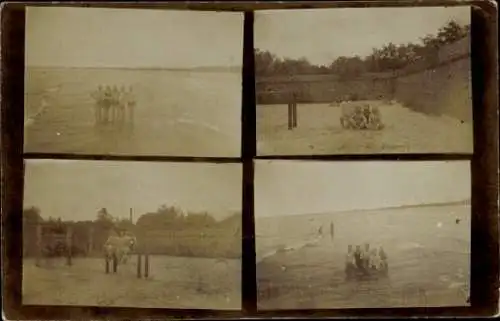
(169, 230)
(386, 58)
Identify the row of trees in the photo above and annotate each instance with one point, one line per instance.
(169, 231)
(386, 58)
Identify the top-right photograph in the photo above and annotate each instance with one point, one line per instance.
(363, 81)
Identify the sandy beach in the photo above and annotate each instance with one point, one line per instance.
(174, 282)
(319, 132)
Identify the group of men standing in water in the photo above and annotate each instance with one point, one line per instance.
(113, 105)
(366, 260)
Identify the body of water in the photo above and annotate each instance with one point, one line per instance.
(178, 113)
(428, 250)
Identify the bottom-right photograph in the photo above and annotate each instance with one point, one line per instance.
(362, 234)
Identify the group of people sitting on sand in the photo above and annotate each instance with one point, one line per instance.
(113, 104)
(365, 261)
(358, 114)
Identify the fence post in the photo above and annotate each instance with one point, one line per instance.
(38, 244)
(69, 245)
(107, 264)
(294, 114)
(139, 265)
(146, 265)
(115, 263)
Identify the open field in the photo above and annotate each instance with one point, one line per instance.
(319, 132)
(178, 113)
(174, 282)
(428, 255)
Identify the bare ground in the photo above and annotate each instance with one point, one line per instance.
(319, 132)
(174, 282)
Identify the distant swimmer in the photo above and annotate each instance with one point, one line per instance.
(332, 230)
(457, 221)
(320, 231)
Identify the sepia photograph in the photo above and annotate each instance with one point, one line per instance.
(363, 81)
(132, 234)
(332, 235)
(142, 82)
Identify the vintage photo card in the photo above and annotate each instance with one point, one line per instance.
(144, 82)
(363, 81)
(132, 234)
(362, 234)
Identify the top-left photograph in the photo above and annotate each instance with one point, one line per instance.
(137, 82)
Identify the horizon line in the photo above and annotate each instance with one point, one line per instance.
(435, 204)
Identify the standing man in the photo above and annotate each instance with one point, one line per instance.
(130, 103)
(106, 104)
(115, 101)
(331, 230)
(98, 104)
(122, 96)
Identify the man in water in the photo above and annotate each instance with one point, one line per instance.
(365, 255)
(350, 263)
(383, 259)
(98, 104)
(106, 104)
(358, 259)
(332, 231)
(122, 96)
(130, 103)
(374, 260)
(115, 102)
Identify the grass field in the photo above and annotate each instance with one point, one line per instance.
(174, 282)
(429, 257)
(178, 113)
(319, 132)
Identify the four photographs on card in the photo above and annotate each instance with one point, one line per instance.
(132, 83)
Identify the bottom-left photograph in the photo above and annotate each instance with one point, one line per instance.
(132, 234)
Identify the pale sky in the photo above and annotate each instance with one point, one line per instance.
(96, 37)
(322, 35)
(76, 190)
(309, 187)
